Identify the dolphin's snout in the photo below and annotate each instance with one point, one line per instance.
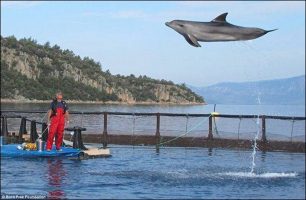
(167, 23)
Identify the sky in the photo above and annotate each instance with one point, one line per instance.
(131, 37)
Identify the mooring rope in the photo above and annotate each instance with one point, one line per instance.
(196, 126)
(215, 126)
(42, 119)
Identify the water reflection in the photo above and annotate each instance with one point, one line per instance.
(263, 156)
(210, 151)
(56, 175)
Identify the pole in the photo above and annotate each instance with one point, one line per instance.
(157, 134)
(104, 140)
(4, 131)
(210, 131)
(263, 129)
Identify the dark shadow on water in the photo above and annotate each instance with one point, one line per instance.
(210, 151)
(56, 175)
(263, 156)
(157, 150)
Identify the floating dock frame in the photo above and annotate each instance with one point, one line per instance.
(208, 139)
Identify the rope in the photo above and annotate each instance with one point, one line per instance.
(200, 123)
(42, 119)
(42, 132)
(215, 126)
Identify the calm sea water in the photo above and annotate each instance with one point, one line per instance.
(285, 110)
(174, 173)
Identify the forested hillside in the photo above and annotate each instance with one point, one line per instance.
(33, 71)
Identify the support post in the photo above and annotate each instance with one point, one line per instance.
(80, 139)
(4, 131)
(104, 140)
(77, 138)
(157, 134)
(34, 134)
(263, 129)
(210, 128)
(22, 129)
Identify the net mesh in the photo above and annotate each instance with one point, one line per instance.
(131, 125)
(92, 122)
(177, 126)
(234, 128)
(184, 126)
(285, 130)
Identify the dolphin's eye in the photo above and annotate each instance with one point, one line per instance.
(181, 25)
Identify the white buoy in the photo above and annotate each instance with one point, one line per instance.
(214, 113)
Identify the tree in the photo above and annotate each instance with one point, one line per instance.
(47, 45)
(11, 41)
(56, 47)
(108, 72)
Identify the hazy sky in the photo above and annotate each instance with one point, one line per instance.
(131, 37)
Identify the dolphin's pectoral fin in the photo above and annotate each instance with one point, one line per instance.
(192, 40)
(220, 18)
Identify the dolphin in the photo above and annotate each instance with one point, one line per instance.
(214, 31)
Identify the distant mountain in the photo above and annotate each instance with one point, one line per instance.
(31, 71)
(278, 91)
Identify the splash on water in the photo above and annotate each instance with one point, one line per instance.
(258, 98)
(255, 146)
(181, 174)
(256, 136)
(263, 175)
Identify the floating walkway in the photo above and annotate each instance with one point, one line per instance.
(12, 150)
(92, 152)
(75, 149)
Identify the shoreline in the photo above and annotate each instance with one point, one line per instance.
(100, 102)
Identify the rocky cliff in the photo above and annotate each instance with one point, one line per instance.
(33, 71)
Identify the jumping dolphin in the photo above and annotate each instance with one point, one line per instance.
(214, 31)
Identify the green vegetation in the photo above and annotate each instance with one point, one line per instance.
(13, 81)
(49, 66)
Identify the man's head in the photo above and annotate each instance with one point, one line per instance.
(59, 96)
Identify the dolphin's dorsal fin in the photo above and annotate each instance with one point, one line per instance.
(220, 18)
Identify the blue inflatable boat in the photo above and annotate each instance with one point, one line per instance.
(12, 150)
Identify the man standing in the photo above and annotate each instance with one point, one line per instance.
(57, 115)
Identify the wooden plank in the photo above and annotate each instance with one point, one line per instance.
(97, 152)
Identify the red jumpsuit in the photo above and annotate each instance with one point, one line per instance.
(56, 127)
